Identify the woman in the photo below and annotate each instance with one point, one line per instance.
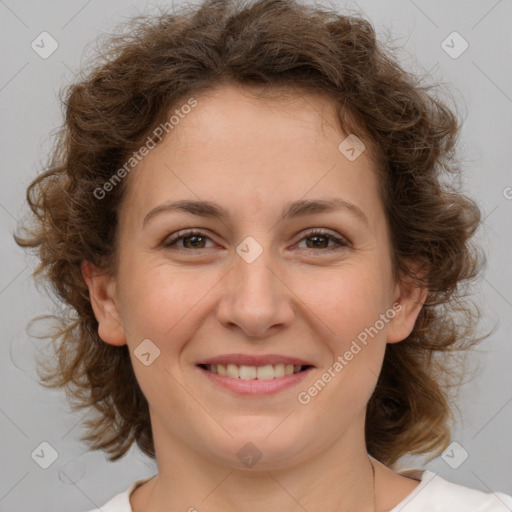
(246, 211)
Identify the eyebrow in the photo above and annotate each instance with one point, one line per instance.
(291, 211)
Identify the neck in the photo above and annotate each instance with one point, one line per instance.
(339, 479)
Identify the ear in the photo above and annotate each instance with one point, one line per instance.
(102, 292)
(410, 297)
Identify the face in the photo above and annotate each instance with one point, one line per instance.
(251, 288)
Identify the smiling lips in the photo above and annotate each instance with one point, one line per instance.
(266, 372)
(248, 374)
(248, 367)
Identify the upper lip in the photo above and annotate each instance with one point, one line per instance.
(251, 360)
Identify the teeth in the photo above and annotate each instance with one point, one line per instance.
(262, 372)
(245, 372)
(279, 370)
(232, 371)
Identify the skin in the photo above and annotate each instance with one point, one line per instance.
(252, 156)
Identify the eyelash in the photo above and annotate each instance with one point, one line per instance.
(341, 242)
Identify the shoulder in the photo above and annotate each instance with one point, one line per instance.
(436, 494)
(121, 502)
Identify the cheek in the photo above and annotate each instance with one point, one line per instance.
(345, 301)
(356, 342)
(349, 305)
(160, 297)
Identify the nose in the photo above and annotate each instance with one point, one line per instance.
(255, 297)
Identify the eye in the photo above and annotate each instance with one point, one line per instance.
(320, 237)
(191, 240)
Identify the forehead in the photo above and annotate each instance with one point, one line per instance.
(253, 149)
(286, 113)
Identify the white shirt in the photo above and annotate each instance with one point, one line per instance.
(433, 494)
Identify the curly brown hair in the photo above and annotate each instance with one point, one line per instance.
(138, 77)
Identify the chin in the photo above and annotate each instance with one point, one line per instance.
(261, 447)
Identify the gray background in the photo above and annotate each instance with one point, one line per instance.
(481, 82)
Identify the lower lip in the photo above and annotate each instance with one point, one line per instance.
(256, 387)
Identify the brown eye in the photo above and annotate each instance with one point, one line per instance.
(316, 241)
(190, 240)
(319, 240)
(194, 240)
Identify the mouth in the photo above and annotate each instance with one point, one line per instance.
(246, 372)
(243, 374)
